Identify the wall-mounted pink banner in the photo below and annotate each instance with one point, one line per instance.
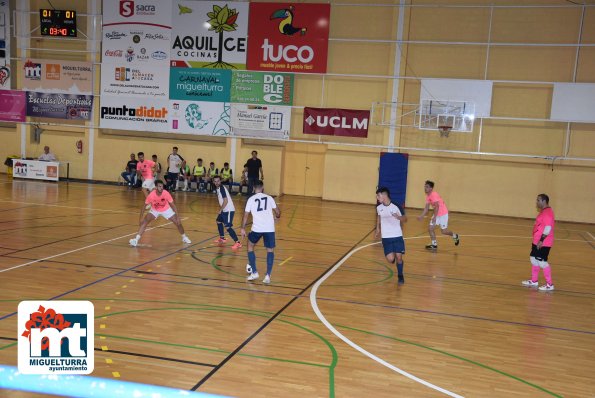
(12, 106)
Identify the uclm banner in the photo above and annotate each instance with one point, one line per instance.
(287, 37)
(339, 122)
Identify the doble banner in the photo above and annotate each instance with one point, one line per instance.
(339, 122)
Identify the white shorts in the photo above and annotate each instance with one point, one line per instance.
(442, 221)
(149, 184)
(167, 214)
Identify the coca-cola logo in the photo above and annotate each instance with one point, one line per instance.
(115, 35)
(113, 53)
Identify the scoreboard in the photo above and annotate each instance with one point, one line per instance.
(61, 23)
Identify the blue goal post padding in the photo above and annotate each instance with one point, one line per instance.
(393, 175)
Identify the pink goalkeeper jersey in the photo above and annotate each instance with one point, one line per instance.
(545, 217)
(161, 202)
(433, 198)
(145, 169)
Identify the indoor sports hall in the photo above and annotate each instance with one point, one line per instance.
(289, 162)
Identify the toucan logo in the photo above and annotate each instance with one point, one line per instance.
(286, 26)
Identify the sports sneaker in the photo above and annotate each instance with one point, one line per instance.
(186, 239)
(253, 276)
(248, 268)
(401, 279)
(133, 242)
(431, 247)
(456, 239)
(267, 279)
(236, 246)
(220, 241)
(546, 288)
(529, 283)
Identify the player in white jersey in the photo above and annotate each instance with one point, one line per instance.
(388, 223)
(174, 163)
(262, 207)
(226, 213)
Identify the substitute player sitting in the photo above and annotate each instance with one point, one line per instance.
(440, 216)
(261, 206)
(162, 205)
(388, 223)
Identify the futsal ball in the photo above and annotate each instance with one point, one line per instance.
(248, 268)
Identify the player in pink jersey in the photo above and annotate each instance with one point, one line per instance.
(440, 216)
(543, 240)
(162, 205)
(146, 170)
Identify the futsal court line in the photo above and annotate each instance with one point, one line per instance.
(592, 237)
(82, 248)
(330, 327)
(68, 207)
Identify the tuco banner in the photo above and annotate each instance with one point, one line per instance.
(339, 122)
(288, 38)
(262, 88)
(209, 34)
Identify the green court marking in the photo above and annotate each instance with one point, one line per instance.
(331, 367)
(292, 216)
(268, 313)
(9, 345)
(390, 274)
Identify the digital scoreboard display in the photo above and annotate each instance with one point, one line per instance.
(60, 23)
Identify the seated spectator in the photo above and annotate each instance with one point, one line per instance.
(185, 176)
(130, 174)
(244, 180)
(211, 173)
(199, 172)
(226, 175)
(157, 168)
(47, 156)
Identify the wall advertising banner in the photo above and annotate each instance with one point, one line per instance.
(135, 80)
(260, 121)
(59, 106)
(339, 122)
(288, 37)
(262, 88)
(12, 106)
(4, 45)
(141, 114)
(35, 169)
(199, 84)
(209, 34)
(70, 77)
(136, 31)
(201, 118)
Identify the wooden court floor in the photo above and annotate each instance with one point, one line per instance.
(185, 317)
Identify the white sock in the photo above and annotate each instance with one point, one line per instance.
(184, 236)
(435, 242)
(137, 237)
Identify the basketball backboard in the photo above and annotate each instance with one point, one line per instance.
(459, 115)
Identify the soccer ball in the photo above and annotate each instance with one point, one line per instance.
(248, 268)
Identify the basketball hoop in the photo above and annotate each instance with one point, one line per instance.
(444, 130)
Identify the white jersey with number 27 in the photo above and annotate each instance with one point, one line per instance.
(261, 206)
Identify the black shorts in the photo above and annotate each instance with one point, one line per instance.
(540, 254)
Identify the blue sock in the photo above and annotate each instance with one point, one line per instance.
(400, 269)
(252, 261)
(232, 233)
(220, 228)
(270, 260)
